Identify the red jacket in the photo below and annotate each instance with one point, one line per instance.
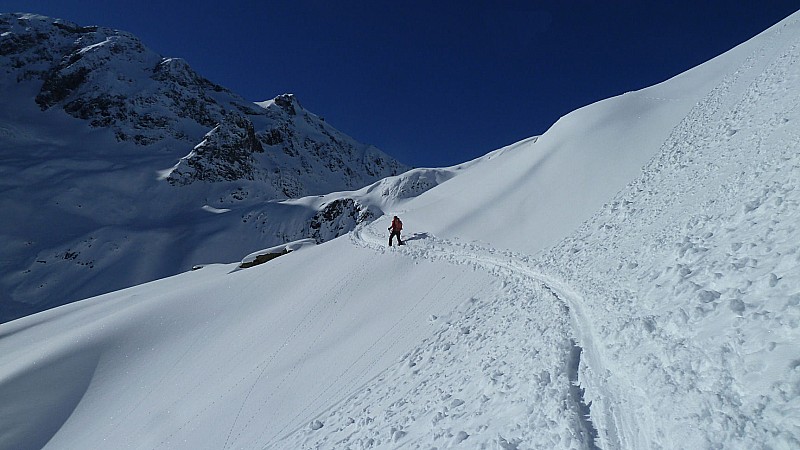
(397, 225)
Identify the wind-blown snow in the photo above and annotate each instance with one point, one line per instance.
(638, 262)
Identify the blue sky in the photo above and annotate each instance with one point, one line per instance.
(432, 83)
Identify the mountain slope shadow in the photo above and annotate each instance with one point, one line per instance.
(29, 415)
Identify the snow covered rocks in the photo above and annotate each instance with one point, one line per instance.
(266, 255)
(226, 153)
(119, 152)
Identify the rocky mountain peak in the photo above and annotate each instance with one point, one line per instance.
(125, 159)
(110, 79)
(288, 102)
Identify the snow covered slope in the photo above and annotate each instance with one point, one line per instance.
(662, 311)
(112, 158)
(590, 154)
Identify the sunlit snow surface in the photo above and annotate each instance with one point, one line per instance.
(647, 245)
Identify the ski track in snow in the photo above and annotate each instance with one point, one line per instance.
(255, 374)
(308, 319)
(322, 307)
(625, 408)
(727, 174)
(356, 379)
(500, 333)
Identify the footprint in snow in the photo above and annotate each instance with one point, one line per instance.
(460, 437)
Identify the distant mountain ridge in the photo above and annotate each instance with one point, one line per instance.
(119, 166)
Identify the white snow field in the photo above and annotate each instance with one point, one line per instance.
(628, 280)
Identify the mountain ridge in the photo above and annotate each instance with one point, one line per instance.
(109, 148)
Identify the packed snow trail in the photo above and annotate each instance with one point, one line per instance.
(691, 273)
(507, 264)
(528, 350)
(705, 239)
(681, 291)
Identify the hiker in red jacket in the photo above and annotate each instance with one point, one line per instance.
(397, 226)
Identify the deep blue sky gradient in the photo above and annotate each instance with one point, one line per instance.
(432, 83)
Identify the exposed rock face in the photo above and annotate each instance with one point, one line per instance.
(339, 217)
(119, 166)
(111, 80)
(226, 153)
